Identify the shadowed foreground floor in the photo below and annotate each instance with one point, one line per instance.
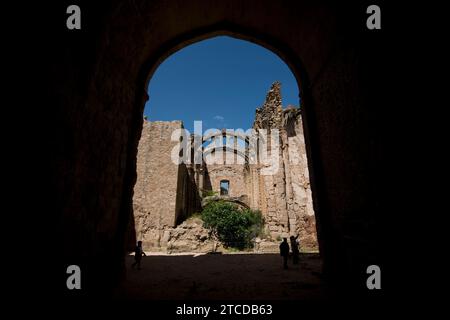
(224, 277)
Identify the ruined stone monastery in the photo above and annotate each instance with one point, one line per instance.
(166, 194)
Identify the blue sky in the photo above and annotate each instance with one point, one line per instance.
(219, 81)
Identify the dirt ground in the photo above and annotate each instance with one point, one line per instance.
(223, 277)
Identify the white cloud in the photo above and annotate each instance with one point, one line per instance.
(220, 118)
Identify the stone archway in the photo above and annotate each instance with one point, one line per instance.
(283, 197)
(102, 100)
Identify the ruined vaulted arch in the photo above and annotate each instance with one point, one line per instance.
(211, 150)
(226, 133)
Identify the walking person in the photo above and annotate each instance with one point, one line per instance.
(138, 253)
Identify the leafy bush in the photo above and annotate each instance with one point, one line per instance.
(209, 193)
(233, 227)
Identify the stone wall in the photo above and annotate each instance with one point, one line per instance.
(285, 197)
(300, 207)
(188, 196)
(164, 192)
(235, 173)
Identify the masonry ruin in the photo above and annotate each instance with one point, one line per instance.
(166, 194)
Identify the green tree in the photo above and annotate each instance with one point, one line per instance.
(233, 227)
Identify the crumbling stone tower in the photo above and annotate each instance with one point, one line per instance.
(270, 114)
(284, 198)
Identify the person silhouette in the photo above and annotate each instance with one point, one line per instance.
(295, 250)
(284, 252)
(138, 253)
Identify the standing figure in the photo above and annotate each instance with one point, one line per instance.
(284, 252)
(295, 249)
